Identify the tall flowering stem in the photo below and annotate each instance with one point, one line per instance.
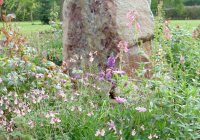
(132, 17)
(123, 46)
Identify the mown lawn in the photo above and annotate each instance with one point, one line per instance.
(186, 24)
(29, 27)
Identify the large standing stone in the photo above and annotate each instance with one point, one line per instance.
(99, 25)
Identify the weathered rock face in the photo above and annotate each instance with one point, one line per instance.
(92, 26)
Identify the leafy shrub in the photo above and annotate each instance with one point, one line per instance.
(190, 12)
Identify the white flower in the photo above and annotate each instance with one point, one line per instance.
(141, 109)
(100, 132)
(142, 127)
(133, 133)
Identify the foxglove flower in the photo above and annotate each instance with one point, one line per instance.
(123, 45)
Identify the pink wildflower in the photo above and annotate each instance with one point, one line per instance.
(167, 33)
(120, 100)
(100, 132)
(141, 109)
(39, 75)
(123, 45)
(112, 126)
(1, 80)
(138, 27)
(55, 120)
(131, 16)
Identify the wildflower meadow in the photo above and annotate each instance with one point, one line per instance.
(40, 100)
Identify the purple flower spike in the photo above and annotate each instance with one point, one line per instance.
(111, 62)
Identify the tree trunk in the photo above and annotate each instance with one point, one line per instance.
(31, 16)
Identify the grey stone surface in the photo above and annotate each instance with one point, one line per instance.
(98, 26)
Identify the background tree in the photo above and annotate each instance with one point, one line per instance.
(176, 4)
(44, 10)
(22, 7)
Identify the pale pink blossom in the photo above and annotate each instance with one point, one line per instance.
(123, 45)
(55, 120)
(100, 132)
(112, 126)
(150, 136)
(167, 33)
(1, 80)
(120, 100)
(90, 114)
(141, 109)
(138, 27)
(39, 75)
(131, 16)
(51, 114)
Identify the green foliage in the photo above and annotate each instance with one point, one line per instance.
(25, 10)
(29, 10)
(190, 12)
(174, 4)
(39, 101)
(44, 11)
(191, 2)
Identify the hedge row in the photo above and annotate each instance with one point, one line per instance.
(189, 12)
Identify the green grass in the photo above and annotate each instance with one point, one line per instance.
(186, 24)
(29, 27)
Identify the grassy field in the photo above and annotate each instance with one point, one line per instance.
(186, 24)
(29, 28)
